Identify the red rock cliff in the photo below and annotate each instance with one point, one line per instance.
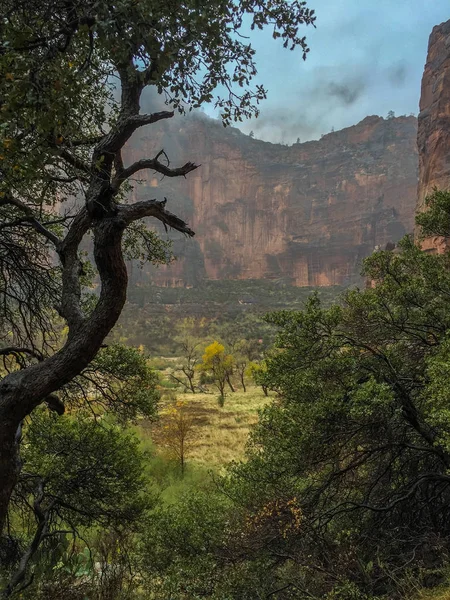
(433, 136)
(308, 213)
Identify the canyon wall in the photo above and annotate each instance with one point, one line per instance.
(433, 137)
(305, 214)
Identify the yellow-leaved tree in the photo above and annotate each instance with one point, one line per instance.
(219, 365)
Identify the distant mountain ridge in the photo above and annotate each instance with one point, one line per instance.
(306, 214)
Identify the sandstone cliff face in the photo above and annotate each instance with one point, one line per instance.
(433, 137)
(306, 214)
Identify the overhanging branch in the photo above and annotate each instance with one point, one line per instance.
(74, 160)
(29, 218)
(14, 350)
(156, 165)
(137, 121)
(114, 141)
(153, 208)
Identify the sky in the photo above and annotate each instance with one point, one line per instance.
(366, 58)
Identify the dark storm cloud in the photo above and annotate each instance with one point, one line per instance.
(397, 74)
(316, 108)
(347, 93)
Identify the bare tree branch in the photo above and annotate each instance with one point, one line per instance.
(86, 142)
(153, 208)
(29, 218)
(20, 350)
(156, 165)
(74, 160)
(140, 120)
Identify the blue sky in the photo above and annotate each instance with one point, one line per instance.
(367, 57)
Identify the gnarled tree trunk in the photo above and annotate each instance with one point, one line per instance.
(21, 391)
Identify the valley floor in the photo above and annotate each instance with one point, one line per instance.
(218, 434)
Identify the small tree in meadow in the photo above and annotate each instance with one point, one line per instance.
(178, 432)
(190, 358)
(246, 352)
(219, 365)
(256, 371)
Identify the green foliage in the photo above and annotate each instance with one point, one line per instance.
(181, 545)
(77, 475)
(360, 430)
(144, 245)
(94, 473)
(120, 381)
(436, 220)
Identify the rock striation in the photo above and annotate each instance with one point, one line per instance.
(305, 214)
(433, 136)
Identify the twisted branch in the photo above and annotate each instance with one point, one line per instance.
(156, 165)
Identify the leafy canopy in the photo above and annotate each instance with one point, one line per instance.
(360, 431)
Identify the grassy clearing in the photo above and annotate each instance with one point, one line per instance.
(439, 594)
(218, 434)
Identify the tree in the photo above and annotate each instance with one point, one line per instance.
(241, 368)
(220, 366)
(257, 371)
(75, 474)
(62, 136)
(191, 357)
(177, 429)
(251, 134)
(359, 432)
(245, 351)
(189, 346)
(190, 331)
(390, 115)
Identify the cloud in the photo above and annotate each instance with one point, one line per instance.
(314, 108)
(397, 74)
(347, 93)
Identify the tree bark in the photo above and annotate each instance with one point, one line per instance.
(230, 384)
(42, 517)
(22, 391)
(242, 376)
(9, 465)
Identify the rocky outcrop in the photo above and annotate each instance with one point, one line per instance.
(433, 137)
(305, 214)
